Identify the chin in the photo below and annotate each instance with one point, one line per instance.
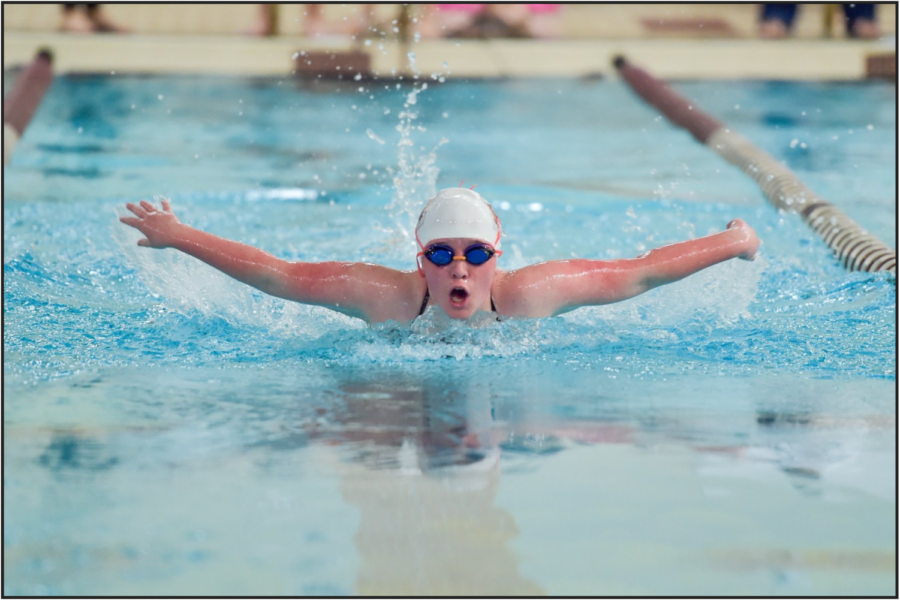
(459, 314)
(464, 317)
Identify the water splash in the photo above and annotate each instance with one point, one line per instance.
(415, 176)
(190, 286)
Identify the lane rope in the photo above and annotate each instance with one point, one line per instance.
(852, 245)
(23, 99)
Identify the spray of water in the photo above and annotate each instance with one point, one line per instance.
(415, 176)
(188, 285)
(216, 295)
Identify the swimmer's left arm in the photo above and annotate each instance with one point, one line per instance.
(556, 287)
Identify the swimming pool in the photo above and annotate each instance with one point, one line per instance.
(168, 431)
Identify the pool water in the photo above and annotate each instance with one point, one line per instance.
(169, 431)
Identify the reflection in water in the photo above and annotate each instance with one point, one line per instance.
(455, 478)
(67, 451)
(423, 470)
(419, 456)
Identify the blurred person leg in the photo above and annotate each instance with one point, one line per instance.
(776, 20)
(429, 24)
(266, 22)
(75, 19)
(861, 21)
(102, 23)
(494, 21)
(543, 20)
(316, 24)
(446, 20)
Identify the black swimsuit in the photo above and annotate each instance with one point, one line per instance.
(425, 303)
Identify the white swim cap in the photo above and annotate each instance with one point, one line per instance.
(458, 213)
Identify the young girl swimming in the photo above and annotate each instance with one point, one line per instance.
(458, 234)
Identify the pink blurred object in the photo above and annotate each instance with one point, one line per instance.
(543, 8)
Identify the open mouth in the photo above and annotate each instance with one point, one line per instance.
(458, 296)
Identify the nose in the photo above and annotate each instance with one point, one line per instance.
(459, 269)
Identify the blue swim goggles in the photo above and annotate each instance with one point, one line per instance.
(477, 254)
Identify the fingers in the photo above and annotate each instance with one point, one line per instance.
(147, 208)
(137, 210)
(132, 221)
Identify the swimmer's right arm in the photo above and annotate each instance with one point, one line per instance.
(370, 292)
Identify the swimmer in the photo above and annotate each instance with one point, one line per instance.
(458, 235)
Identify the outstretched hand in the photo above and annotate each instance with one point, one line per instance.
(750, 240)
(158, 225)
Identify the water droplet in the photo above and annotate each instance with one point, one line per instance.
(160, 97)
(373, 136)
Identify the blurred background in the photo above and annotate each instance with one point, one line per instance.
(812, 41)
(575, 21)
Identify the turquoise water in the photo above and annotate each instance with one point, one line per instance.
(168, 431)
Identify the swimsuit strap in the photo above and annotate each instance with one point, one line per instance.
(493, 306)
(424, 303)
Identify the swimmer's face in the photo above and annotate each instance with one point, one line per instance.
(460, 288)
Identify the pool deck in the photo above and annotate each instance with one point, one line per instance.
(801, 59)
(682, 41)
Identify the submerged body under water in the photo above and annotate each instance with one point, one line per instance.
(170, 431)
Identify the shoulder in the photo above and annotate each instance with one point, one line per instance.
(544, 289)
(516, 294)
(387, 294)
